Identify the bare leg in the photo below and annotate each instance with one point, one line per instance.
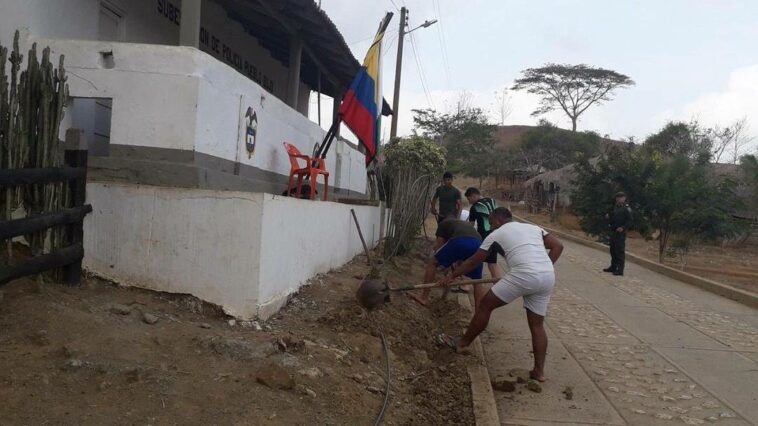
(430, 273)
(495, 270)
(539, 344)
(489, 303)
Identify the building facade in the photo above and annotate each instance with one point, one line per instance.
(208, 89)
(184, 106)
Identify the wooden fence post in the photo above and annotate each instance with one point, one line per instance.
(72, 274)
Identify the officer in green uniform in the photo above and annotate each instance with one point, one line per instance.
(619, 221)
(449, 199)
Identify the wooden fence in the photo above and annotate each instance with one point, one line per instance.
(69, 256)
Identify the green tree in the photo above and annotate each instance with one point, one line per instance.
(466, 136)
(570, 88)
(668, 183)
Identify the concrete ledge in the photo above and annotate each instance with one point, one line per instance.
(482, 396)
(715, 287)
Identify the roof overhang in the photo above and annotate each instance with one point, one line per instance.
(275, 22)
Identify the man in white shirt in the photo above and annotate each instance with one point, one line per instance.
(530, 276)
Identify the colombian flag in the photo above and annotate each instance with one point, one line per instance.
(361, 107)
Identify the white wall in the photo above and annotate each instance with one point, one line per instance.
(243, 251)
(181, 98)
(302, 238)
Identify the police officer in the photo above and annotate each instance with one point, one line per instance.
(619, 221)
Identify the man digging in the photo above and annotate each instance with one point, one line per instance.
(531, 276)
(456, 241)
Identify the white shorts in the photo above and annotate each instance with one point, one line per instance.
(534, 288)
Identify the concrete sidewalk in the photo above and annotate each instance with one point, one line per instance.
(640, 349)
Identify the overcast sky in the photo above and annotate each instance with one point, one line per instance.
(689, 58)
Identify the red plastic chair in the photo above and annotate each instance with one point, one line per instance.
(308, 170)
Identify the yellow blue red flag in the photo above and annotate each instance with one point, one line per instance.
(361, 108)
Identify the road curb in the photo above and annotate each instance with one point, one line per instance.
(482, 395)
(715, 287)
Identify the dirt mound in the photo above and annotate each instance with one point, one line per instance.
(87, 355)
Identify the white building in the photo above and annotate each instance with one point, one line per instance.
(165, 92)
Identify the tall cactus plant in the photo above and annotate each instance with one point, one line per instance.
(31, 110)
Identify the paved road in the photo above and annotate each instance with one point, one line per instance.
(641, 350)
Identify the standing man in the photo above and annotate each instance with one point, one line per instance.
(531, 276)
(449, 199)
(479, 214)
(619, 221)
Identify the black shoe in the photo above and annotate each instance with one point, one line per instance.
(609, 269)
(618, 273)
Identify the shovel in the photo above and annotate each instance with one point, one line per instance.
(373, 293)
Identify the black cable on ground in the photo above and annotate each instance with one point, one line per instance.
(380, 417)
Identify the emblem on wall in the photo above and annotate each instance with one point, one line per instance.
(251, 131)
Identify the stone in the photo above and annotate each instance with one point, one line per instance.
(238, 348)
(149, 318)
(312, 373)
(305, 391)
(504, 385)
(205, 325)
(568, 392)
(286, 360)
(119, 309)
(664, 416)
(727, 415)
(442, 368)
(74, 363)
(691, 420)
(232, 322)
(521, 375)
(374, 389)
(613, 389)
(667, 398)
(421, 357)
(534, 386)
(275, 377)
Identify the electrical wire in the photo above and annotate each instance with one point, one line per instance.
(422, 75)
(388, 372)
(443, 42)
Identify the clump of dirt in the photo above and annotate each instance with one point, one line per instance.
(87, 355)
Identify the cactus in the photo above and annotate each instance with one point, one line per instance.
(31, 110)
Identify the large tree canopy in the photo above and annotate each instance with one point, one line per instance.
(669, 187)
(571, 88)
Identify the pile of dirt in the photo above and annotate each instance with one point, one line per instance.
(100, 354)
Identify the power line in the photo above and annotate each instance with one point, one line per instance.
(443, 42)
(422, 75)
(395, 5)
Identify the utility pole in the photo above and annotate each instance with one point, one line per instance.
(398, 69)
(399, 64)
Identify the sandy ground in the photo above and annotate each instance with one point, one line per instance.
(88, 356)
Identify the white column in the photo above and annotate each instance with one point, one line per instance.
(189, 30)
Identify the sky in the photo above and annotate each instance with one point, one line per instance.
(689, 58)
